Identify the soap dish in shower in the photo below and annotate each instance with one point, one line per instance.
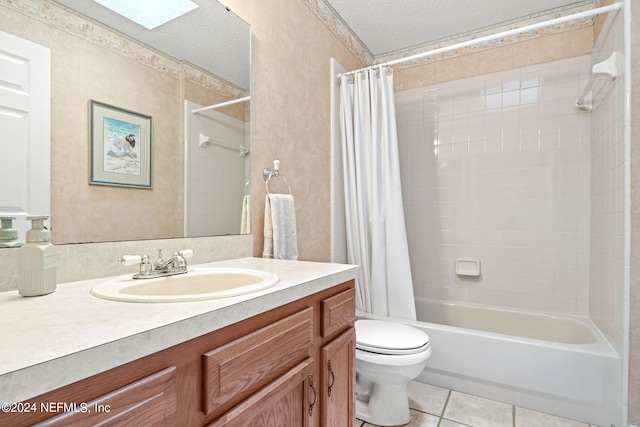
(468, 267)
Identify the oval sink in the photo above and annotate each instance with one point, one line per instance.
(196, 285)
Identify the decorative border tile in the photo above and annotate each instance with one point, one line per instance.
(332, 20)
(340, 29)
(65, 19)
(207, 80)
(517, 38)
(70, 22)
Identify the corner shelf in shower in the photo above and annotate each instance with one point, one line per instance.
(605, 71)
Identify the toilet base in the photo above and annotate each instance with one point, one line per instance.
(386, 406)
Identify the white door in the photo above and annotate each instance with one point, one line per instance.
(24, 129)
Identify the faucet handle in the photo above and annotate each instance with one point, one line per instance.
(186, 253)
(130, 260)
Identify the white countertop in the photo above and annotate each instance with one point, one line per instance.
(50, 341)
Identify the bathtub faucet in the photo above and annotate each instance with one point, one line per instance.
(176, 265)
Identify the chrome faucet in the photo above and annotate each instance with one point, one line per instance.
(176, 265)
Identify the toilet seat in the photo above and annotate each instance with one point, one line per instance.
(388, 356)
(389, 338)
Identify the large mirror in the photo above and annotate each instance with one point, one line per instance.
(199, 162)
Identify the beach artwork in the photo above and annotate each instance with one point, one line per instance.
(122, 147)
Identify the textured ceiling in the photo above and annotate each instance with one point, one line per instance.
(218, 41)
(386, 26)
(210, 37)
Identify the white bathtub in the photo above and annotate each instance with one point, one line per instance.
(555, 364)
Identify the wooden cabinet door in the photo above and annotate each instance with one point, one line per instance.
(285, 402)
(337, 371)
(235, 371)
(150, 401)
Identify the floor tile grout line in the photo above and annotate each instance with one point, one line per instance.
(446, 402)
(444, 407)
(441, 417)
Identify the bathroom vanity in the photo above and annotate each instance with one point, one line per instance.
(281, 357)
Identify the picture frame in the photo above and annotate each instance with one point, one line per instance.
(120, 146)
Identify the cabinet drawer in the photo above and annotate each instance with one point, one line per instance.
(338, 311)
(285, 402)
(150, 401)
(234, 371)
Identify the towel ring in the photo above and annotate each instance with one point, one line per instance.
(266, 183)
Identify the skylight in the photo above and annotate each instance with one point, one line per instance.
(149, 13)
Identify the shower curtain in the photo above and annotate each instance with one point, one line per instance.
(376, 233)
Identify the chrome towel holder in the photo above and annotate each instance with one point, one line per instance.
(267, 174)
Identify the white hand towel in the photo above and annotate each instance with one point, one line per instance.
(280, 239)
(245, 224)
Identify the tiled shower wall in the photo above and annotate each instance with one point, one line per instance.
(497, 168)
(607, 238)
(216, 176)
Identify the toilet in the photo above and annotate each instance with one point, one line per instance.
(388, 356)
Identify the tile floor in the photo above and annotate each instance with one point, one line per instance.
(438, 407)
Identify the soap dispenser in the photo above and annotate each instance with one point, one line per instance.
(8, 234)
(37, 261)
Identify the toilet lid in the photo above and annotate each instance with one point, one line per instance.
(384, 337)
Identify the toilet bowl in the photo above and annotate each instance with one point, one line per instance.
(388, 356)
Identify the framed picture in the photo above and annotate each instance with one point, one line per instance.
(120, 146)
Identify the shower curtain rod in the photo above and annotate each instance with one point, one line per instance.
(222, 104)
(555, 21)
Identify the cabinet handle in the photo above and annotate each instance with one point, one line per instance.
(315, 395)
(333, 377)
